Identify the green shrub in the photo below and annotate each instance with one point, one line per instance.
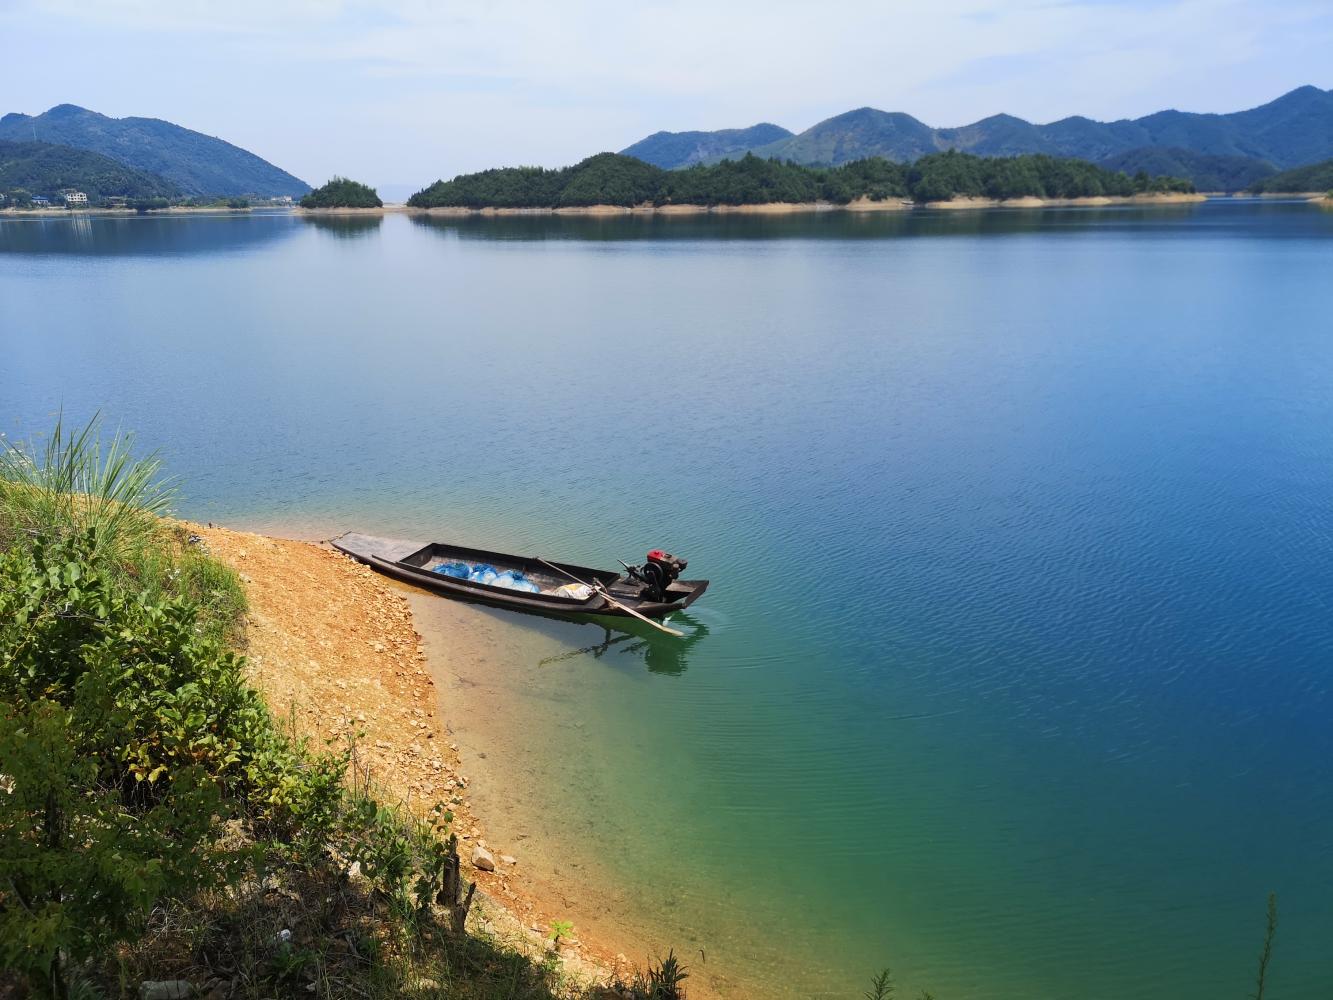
(146, 737)
(78, 863)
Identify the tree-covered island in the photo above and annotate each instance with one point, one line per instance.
(342, 193)
(613, 179)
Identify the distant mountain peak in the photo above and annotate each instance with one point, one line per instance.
(68, 111)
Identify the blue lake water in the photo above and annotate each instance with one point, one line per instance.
(1015, 673)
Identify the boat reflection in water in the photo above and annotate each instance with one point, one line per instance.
(662, 654)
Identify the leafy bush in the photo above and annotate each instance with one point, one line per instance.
(122, 728)
(78, 864)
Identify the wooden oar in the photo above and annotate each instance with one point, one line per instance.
(598, 588)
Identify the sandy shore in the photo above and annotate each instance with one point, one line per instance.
(1137, 199)
(791, 208)
(171, 210)
(334, 649)
(766, 208)
(394, 208)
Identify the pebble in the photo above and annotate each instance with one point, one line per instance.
(481, 858)
(166, 989)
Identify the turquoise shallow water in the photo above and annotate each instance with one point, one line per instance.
(1018, 521)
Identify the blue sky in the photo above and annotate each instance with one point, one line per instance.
(403, 92)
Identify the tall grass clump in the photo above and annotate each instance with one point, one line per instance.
(76, 483)
(81, 484)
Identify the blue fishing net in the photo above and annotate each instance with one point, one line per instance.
(510, 579)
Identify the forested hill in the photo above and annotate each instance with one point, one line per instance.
(1207, 171)
(684, 149)
(197, 164)
(614, 179)
(1294, 129)
(42, 168)
(1315, 178)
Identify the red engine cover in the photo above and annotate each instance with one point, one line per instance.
(657, 555)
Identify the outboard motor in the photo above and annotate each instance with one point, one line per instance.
(657, 574)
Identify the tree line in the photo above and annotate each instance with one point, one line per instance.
(613, 179)
(1315, 177)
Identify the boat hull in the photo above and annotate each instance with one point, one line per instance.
(411, 562)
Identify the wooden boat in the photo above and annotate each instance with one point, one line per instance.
(425, 564)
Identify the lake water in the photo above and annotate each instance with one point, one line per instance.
(1015, 673)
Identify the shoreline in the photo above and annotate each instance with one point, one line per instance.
(19, 213)
(861, 205)
(336, 650)
(788, 208)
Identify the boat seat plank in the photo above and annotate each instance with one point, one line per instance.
(364, 546)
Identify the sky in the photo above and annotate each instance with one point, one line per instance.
(403, 92)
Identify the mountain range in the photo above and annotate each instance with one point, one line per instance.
(1293, 130)
(192, 162)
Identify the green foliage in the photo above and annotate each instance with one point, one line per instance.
(508, 187)
(560, 929)
(665, 980)
(881, 987)
(1206, 171)
(747, 181)
(1302, 180)
(611, 179)
(46, 169)
(122, 729)
(79, 862)
(342, 193)
(942, 176)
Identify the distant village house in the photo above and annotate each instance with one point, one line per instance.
(73, 198)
